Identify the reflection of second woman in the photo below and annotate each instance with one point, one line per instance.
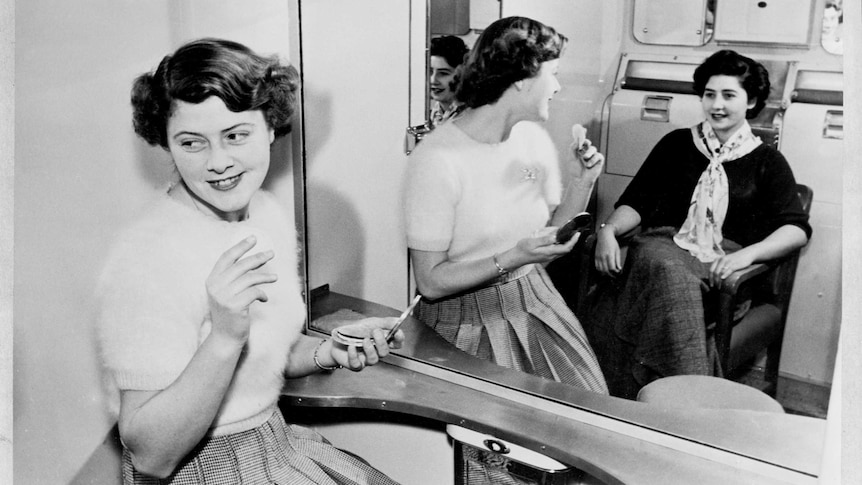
(446, 54)
(479, 194)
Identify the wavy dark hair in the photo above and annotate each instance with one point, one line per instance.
(753, 77)
(450, 48)
(509, 50)
(208, 67)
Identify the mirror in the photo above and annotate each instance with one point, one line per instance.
(355, 241)
(832, 27)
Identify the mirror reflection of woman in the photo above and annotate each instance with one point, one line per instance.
(446, 53)
(201, 314)
(831, 29)
(483, 196)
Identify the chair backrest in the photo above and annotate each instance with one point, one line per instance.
(806, 195)
(784, 275)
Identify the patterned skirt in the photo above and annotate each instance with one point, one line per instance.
(273, 453)
(520, 321)
(649, 322)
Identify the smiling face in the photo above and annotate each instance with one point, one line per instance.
(725, 103)
(540, 90)
(222, 156)
(440, 80)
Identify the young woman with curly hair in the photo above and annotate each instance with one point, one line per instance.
(483, 197)
(201, 314)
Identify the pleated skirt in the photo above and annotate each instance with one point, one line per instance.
(273, 453)
(519, 321)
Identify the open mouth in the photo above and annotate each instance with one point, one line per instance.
(225, 184)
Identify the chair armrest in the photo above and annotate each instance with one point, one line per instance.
(731, 284)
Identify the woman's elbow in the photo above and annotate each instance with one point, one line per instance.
(429, 290)
(152, 465)
(428, 293)
(800, 238)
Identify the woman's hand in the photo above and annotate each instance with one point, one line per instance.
(233, 285)
(373, 347)
(590, 161)
(722, 267)
(608, 258)
(541, 248)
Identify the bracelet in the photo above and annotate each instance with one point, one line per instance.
(613, 231)
(317, 361)
(501, 270)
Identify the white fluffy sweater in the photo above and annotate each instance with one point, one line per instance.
(154, 311)
(475, 199)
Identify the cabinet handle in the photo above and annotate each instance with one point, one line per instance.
(656, 108)
(833, 125)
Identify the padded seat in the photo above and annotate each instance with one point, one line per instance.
(707, 392)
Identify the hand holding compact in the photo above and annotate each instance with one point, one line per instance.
(364, 342)
(541, 248)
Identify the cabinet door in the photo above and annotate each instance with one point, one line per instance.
(810, 141)
(356, 59)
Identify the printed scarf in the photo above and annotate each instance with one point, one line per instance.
(700, 234)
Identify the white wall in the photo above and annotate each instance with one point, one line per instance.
(7, 142)
(80, 171)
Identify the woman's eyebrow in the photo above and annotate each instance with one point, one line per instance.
(236, 126)
(194, 133)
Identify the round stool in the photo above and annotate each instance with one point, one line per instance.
(707, 392)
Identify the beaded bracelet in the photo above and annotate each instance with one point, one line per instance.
(317, 361)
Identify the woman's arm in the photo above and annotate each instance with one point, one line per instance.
(438, 277)
(783, 240)
(159, 428)
(586, 170)
(608, 258)
(301, 361)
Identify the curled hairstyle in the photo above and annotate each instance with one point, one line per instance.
(753, 77)
(509, 50)
(450, 48)
(208, 67)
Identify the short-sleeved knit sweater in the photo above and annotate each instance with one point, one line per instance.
(154, 309)
(475, 199)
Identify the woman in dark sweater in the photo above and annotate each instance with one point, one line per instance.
(710, 200)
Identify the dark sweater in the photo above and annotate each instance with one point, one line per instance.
(763, 193)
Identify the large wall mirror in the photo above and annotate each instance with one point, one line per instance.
(354, 139)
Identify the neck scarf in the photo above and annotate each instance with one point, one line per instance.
(439, 115)
(700, 234)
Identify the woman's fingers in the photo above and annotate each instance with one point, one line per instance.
(719, 270)
(232, 255)
(355, 359)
